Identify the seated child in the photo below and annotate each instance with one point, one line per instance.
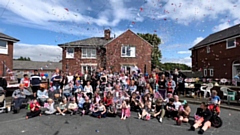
(72, 106)
(34, 109)
(125, 109)
(62, 107)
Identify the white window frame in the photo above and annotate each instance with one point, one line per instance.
(91, 65)
(208, 49)
(205, 72)
(234, 41)
(4, 50)
(70, 55)
(211, 72)
(93, 53)
(132, 48)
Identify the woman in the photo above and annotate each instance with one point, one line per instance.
(88, 90)
(62, 107)
(100, 111)
(63, 81)
(159, 110)
(34, 109)
(183, 114)
(148, 89)
(141, 83)
(42, 94)
(94, 81)
(204, 119)
(162, 86)
(153, 81)
(132, 87)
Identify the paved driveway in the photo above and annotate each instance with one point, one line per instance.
(72, 125)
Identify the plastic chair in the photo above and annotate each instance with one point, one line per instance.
(207, 89)
(230, 94)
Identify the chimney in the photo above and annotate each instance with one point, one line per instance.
(107, 34)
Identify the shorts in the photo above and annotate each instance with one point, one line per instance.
(35, 89)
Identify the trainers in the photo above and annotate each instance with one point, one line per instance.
(57, 113)
(192, 128)
(160, 120)
(63, 114)
(201, 131)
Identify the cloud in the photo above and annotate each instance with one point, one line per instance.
(185, 60)
(197, 40)
(37, 52)
(184, 52)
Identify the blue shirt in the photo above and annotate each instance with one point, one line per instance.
(215, 99)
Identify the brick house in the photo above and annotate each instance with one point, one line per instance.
(6, 53)
(124, 51)
(218, 55)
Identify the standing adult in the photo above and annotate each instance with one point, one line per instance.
(56, 79)
(86, 77)
(94, 81)
(170, 85)
(35, 81)
(162, 86)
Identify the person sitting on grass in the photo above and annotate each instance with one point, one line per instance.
(125, 110)
(100, 111)
(34, 109)
(50, 106)
(159, 110)
(72, 107)
(204, 119)
(183, 114)
(62, 107)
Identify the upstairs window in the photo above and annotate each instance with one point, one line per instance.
(231, 43)
(89, 53)
(3, 44)
(208, 49)
(70, 53)
(128, 51)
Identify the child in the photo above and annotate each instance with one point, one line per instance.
(34, 110)
(100, 111)
(62, 107)
(72, 107)
(159, 109)
(86, 106)
(125, 110)
(50, 107)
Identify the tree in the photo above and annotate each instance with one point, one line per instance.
(155, 41)
(172, 66)
(23, 58)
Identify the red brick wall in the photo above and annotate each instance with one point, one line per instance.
(143, 52)
(220, 59)
(74, 65)
(8, 58)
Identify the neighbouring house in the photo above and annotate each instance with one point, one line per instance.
(27, 67)
(124, 51)
(218, 55)
(6, 53)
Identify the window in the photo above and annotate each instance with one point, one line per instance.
(3, 44)
(211, 72)
(205, 72)
(231, 43)
(208, 49)
(128, 51)
(88, 67)
(70, 53)
(89, 53)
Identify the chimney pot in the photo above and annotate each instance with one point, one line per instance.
(107, 34)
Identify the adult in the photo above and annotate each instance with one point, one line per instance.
(162, 86)
(42, 94)
(3, 83)
(63, 81)
(88, 90)
(35, 81)
(19, 96)
(86, 77)
(70, 77)
(132, 87)
(26, 81)
(56, 81)
(94, 80)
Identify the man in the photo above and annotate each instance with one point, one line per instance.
(19, 96)
(86, 78)
(3, 83)
(56, 79)
(35, 81)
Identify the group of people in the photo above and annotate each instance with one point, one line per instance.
(107, 94)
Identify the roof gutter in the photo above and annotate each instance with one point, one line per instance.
(213, 43)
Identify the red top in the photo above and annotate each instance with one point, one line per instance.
(26, 82)
(170, 87)
(36, 108)
(107, 101)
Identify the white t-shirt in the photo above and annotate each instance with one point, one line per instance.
(177, 104)
(70, 78)
(123, 78)
(88, 89)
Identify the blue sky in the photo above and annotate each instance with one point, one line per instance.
(42, 24)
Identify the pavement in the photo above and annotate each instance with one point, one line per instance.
(15, 124)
